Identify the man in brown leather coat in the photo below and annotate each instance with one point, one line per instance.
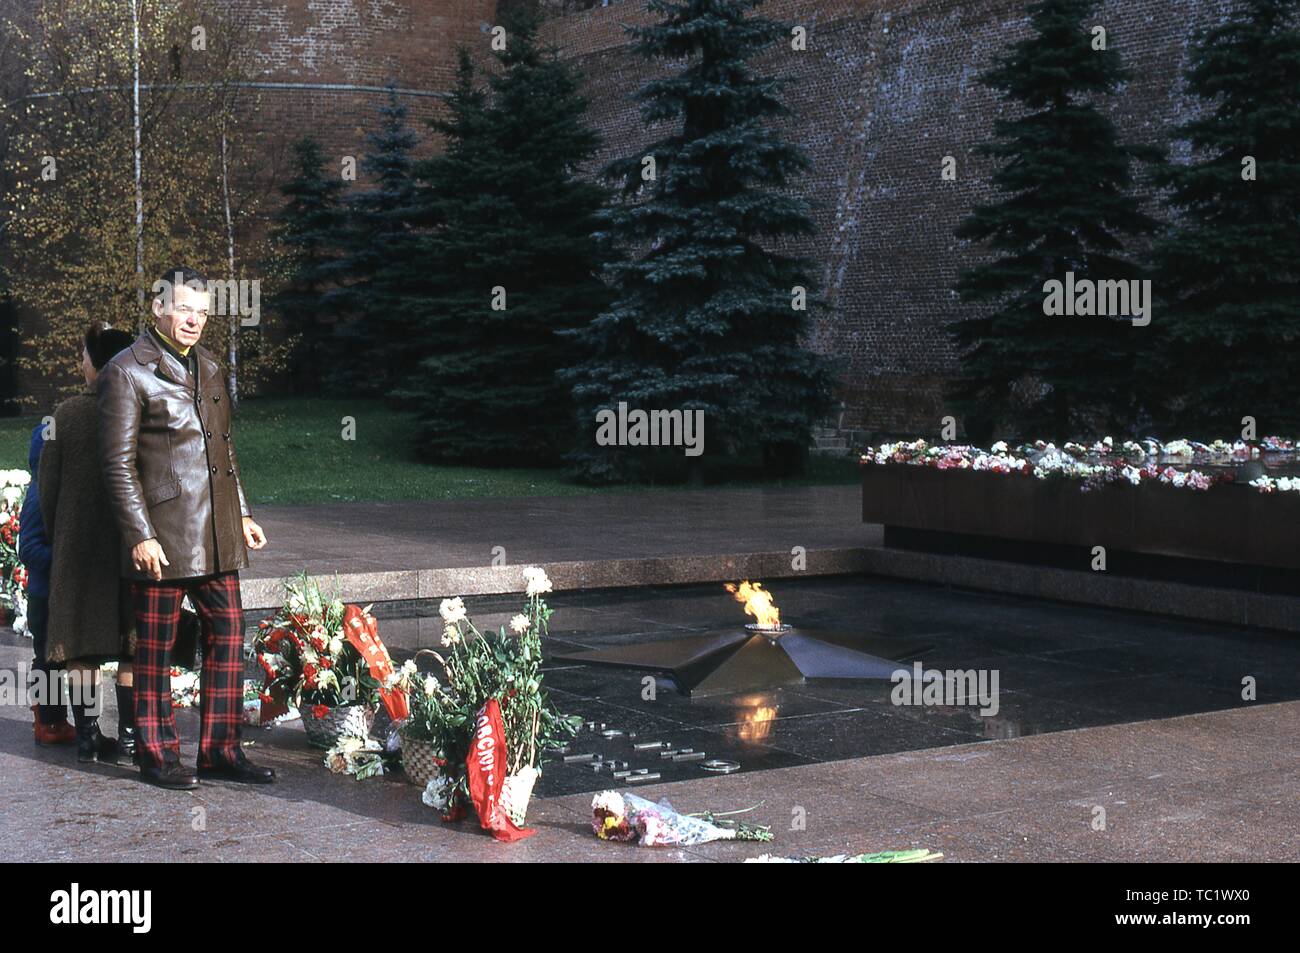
(173, 479)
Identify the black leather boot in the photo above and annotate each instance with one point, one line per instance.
(126, 749)
(92, 745)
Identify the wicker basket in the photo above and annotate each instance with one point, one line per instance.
(418, 761)
(516, 793)
(346, 721)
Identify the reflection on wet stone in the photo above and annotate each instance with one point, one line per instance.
(1060, 670)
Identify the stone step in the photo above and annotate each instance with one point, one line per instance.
(260, 594)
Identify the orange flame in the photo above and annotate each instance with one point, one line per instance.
(758, 603)
(756, 721)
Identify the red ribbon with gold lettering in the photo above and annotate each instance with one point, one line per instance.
(362, 630)
(486, 769)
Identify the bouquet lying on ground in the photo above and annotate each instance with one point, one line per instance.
(618, 816)
(360, 757)
(489, 716)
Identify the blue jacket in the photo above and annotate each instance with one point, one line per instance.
(33, 548)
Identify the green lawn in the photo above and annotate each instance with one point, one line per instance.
(292, 451)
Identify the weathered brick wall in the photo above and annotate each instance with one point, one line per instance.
(885, 89)
(319, 52)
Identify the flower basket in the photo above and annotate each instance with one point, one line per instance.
(345, 721)
(488, 715)
(418, 760)
(516, 792)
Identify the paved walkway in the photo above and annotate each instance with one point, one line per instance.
(435, 534)
(1220, 786)
(423, 549)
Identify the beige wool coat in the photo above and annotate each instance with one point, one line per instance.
(90, 610)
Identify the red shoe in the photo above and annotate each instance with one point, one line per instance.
(49, 735)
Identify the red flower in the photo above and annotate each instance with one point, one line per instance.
(320, 711)
(266, 666)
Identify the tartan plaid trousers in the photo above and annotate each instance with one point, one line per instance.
(221, 696)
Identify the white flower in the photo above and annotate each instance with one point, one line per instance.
(430, 685)
(611, 802)
(452, 610)
(408, 668)
(349, 744)
(536, 581)
(450, 635)
(520, 624)
(435, 792)
(999, 447)
(336, 645)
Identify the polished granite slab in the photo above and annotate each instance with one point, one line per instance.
(1059, 668)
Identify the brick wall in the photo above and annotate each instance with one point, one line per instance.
(884, 91)
(313, 54)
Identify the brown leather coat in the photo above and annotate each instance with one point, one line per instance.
(169, 461)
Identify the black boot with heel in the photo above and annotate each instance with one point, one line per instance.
(92, 744)
(126, 748)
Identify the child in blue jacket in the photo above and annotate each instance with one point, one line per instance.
(51, 726)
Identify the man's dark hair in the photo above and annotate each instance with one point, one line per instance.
(189, 277)
(102, 344)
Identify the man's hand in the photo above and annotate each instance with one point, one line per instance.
(253, 535)
(148, 556)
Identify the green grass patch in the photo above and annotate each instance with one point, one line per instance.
(291, 451)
